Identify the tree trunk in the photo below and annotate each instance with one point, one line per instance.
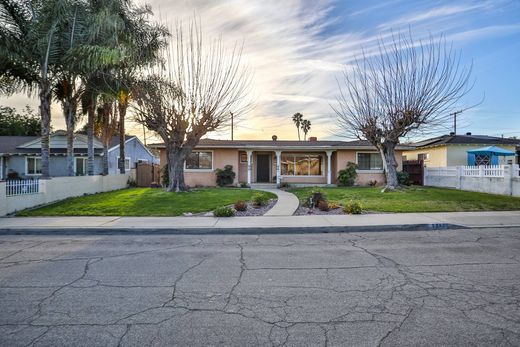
(105, 159)
(90, 138)
(387, 150)
(176, 158)
(45, 114)
(122, 114)
(69, 122)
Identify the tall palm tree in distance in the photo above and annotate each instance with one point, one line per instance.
(306, 126)
(297, 119)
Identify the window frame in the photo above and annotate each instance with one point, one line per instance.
(85, 165)
(129, 164)
(27, 166)
(369, 170)
(323, 163)
(426, 154)
(243, 155)
(202, 170)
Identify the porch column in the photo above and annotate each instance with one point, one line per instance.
(329, 167)
(249, 166)
(278, 171)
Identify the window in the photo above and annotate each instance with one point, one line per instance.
(243, 157)
(199, 161)
(301, 165)
(128, 163)
(80, 165)
(423, 156)
(33, 166)
(369, 161)
(142, 160)
(481, 159)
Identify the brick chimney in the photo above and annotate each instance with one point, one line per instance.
(313, 139)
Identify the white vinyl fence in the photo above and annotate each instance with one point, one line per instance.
(17, 195)
(495, 179)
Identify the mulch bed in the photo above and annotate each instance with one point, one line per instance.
(255, 211)
(304, 211)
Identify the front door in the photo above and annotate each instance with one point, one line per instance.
(262, 167)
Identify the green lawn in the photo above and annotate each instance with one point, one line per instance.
(144, 202)
(415, 199)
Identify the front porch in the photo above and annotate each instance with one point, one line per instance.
(273, 167)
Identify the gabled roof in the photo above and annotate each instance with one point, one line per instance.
(270, 144)
(465, 140)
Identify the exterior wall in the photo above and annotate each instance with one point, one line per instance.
(457, 154)
(438, 156)
(134, 150)
(57, 165)
(364, 176)
(60, 188)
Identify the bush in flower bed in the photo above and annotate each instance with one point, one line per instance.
(353, 207)
(323, 206)
(333, 205)
(223, 211)
(315, 198)
(241, 205)
(260, 199)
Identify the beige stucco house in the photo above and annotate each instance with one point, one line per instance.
(294, 162)
(451, 150)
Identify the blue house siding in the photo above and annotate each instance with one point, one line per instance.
(134, 150)
(57, 165)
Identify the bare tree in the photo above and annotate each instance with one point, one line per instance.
(406, 87)
(192, 94)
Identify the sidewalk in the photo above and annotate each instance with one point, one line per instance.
(253, 225)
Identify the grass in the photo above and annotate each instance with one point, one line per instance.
(144, 202)
(415, 199)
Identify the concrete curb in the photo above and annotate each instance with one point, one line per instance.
(227, 231)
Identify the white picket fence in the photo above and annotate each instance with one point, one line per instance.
(496, 179)
(22, 187)
(483, 171)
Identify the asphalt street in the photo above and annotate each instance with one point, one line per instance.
(423, 288)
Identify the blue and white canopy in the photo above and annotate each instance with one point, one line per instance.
(491, 151)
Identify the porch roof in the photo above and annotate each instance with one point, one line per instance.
(281, 144)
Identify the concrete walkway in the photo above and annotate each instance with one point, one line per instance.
(286, 205)
(264, 224)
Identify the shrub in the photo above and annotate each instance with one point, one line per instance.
(347, 177)
(315, 198)
(333, 205)
(131, 182)
(403, 178)
(165, 176)
(372, 183)
(352, 207)
(323, 205)
(240, 205)
(284, 185)
(244, 185)
(226, 176)
(260, 199)
(223, 211)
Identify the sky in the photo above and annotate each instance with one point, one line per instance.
(298, 49)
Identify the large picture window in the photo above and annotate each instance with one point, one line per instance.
(369, 161)
(301, 165)
(34, 165)
(199, 160)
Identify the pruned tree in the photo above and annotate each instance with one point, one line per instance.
(407, 87)
(192, 94)
(306, 126)
(297, 119)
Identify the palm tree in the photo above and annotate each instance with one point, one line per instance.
(306, 126)
(31, 47)
(297, 120)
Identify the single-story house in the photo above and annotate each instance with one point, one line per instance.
(452, 150)
(21, 155)
(310, 162)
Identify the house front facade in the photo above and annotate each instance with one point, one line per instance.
(274, 162)
(452, 150)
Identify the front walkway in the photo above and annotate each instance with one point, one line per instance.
(286, 205)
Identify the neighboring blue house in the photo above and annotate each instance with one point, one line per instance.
(20, 155)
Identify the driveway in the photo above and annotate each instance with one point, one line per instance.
(450, 287)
